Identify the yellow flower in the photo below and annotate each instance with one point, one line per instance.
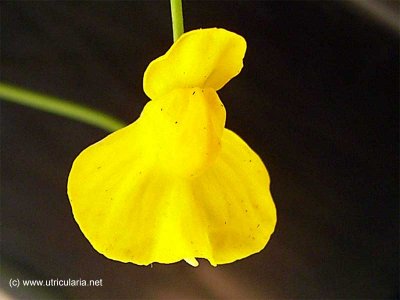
(175, 184)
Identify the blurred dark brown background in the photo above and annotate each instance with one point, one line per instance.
(317, 99)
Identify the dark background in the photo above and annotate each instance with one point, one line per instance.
(317, 100)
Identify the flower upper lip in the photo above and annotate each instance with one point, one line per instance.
(199, 58)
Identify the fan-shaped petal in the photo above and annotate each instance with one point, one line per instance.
(132, 212)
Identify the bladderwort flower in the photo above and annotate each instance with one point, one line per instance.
(176, 184)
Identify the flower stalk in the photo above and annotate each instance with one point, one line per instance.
(177, 18)
(59, 107)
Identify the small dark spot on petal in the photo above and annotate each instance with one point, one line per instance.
(194, 92)
(176, 122)
(258, 225)
(250, 160)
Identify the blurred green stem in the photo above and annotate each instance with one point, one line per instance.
(59, 107)
(177, 18)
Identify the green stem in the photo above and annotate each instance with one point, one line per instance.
(59, 107)
(177, 18)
